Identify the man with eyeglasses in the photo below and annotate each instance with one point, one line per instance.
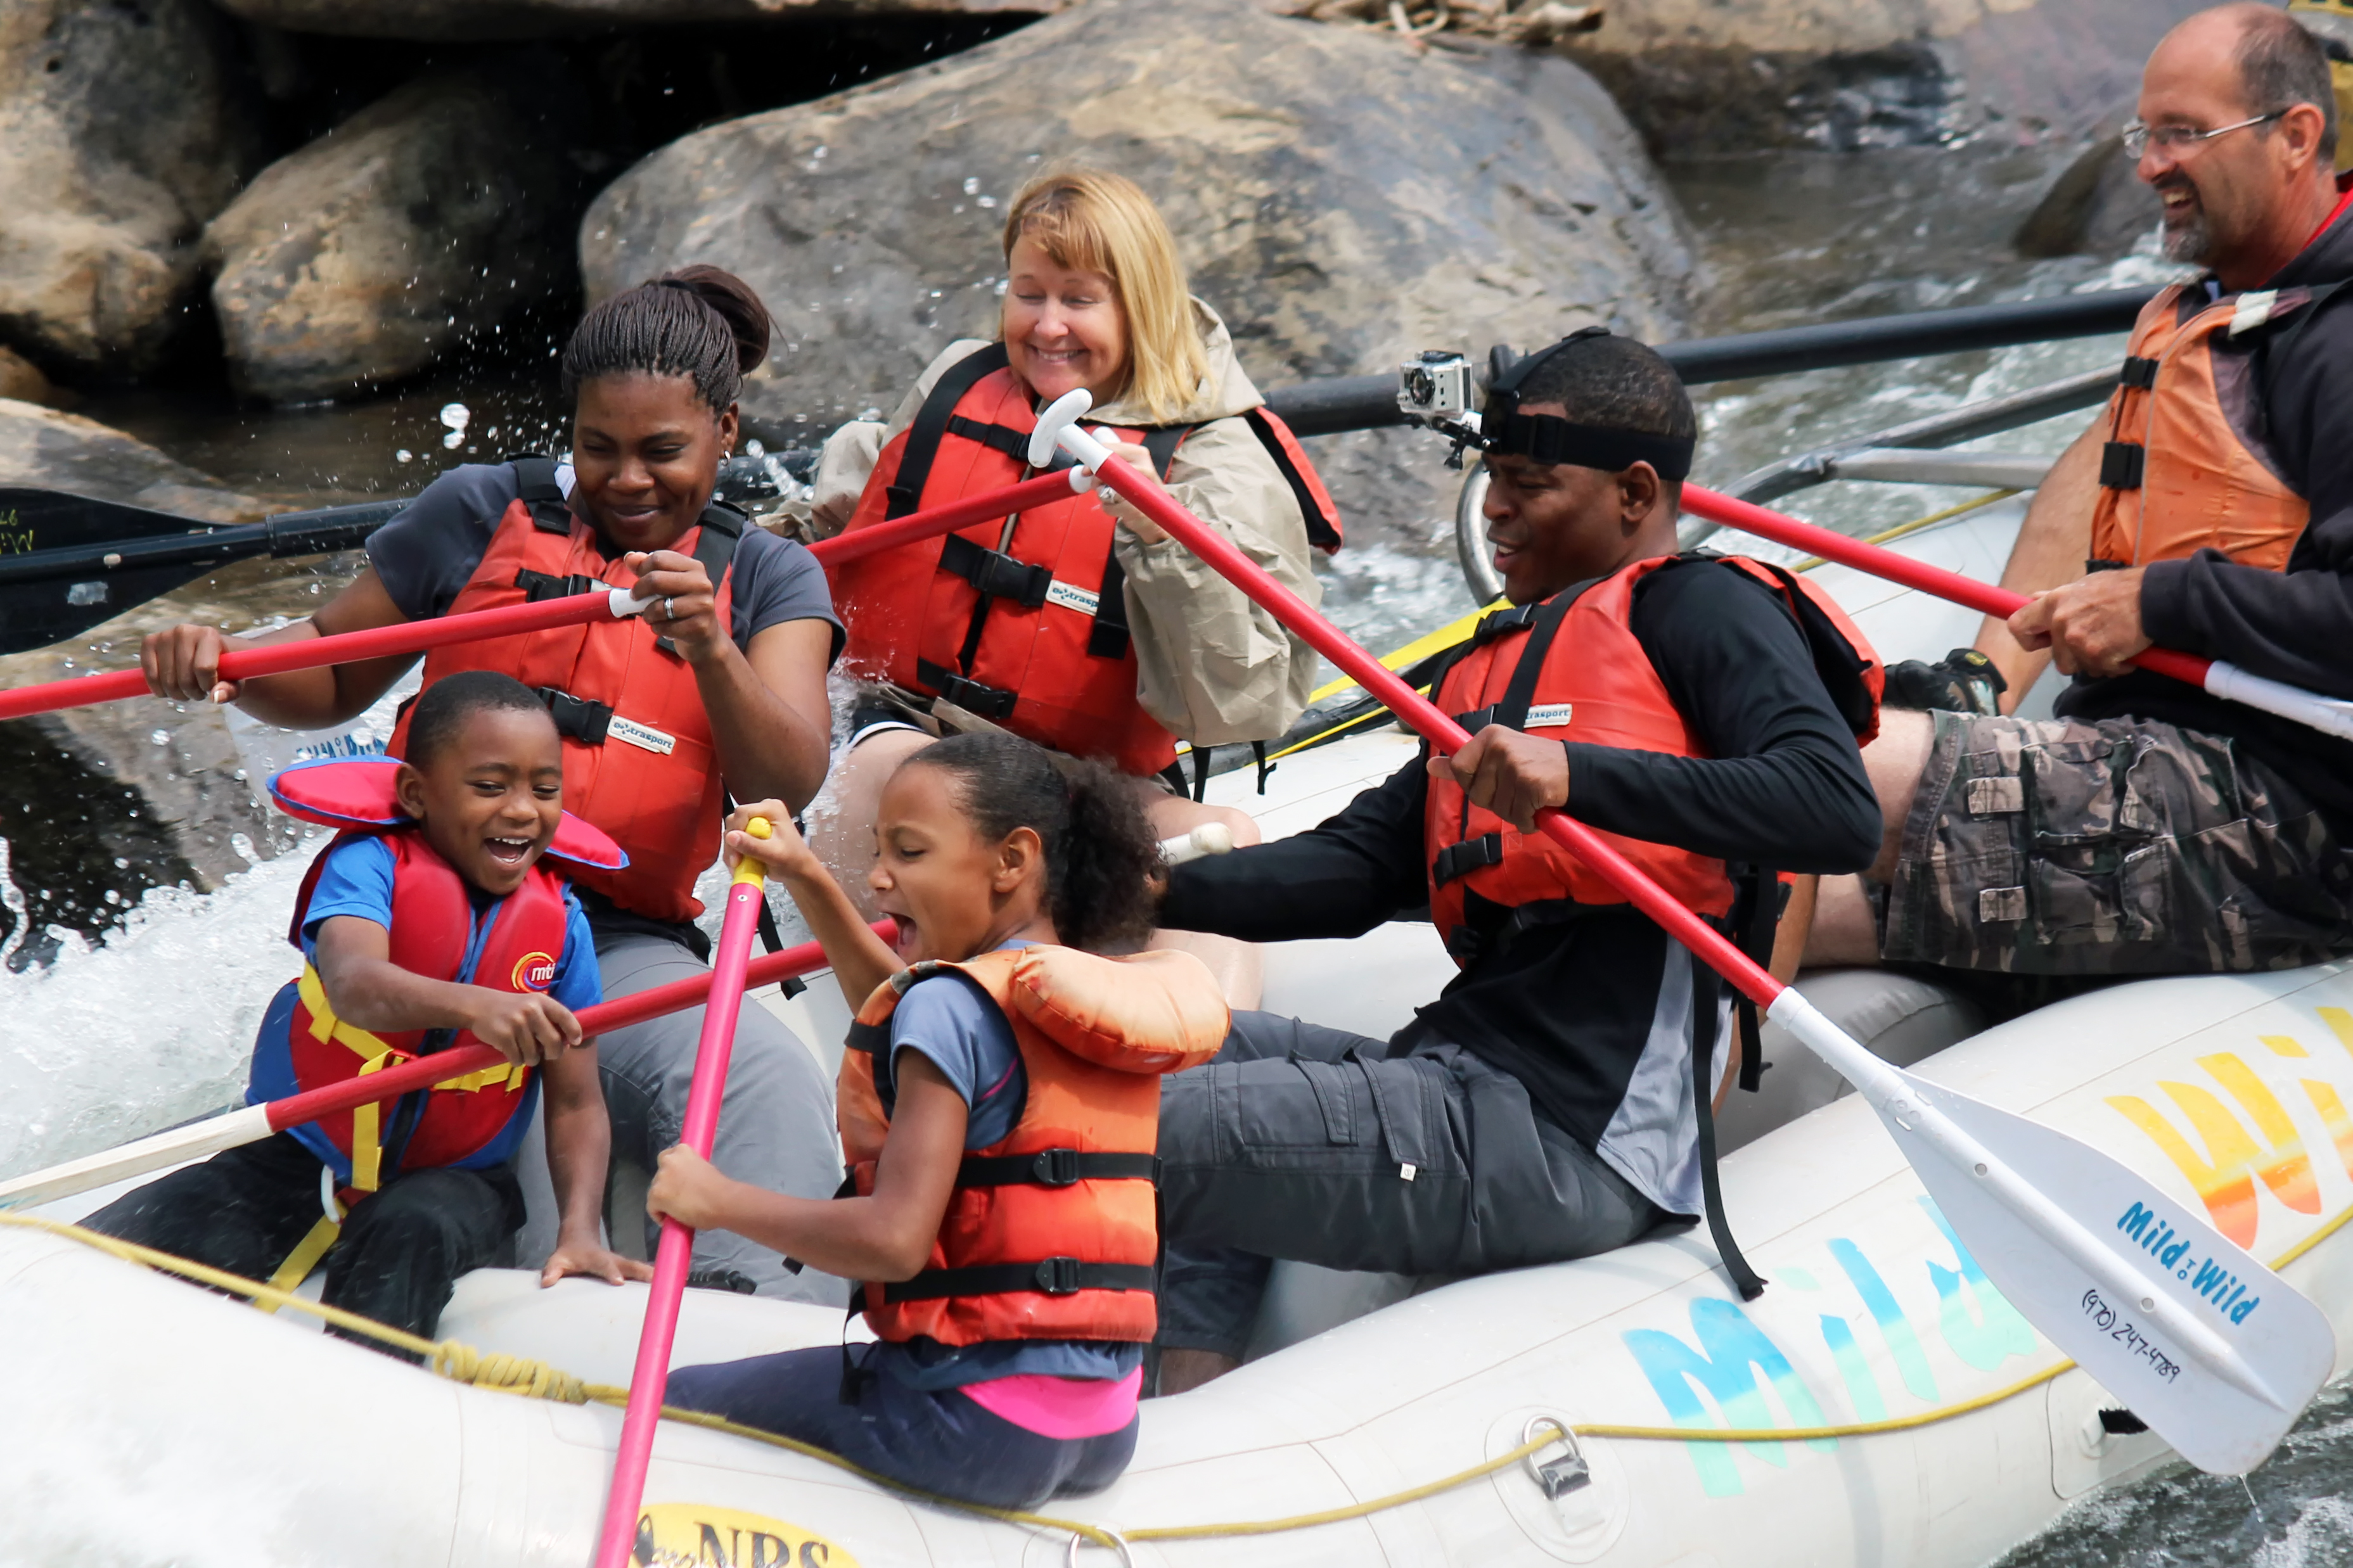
(2151, 828)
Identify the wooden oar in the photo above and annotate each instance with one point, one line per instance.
(415, 636)
(2330, 715)
(729, 969)
(256, 1122)
(2069, 1235)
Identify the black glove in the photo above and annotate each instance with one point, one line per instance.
(1963, 681)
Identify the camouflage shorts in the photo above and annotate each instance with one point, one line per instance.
(2060, 846)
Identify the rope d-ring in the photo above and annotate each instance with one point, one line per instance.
(1557, 1477)
(1118, 1544)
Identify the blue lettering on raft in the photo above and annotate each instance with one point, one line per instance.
(2211, 1280)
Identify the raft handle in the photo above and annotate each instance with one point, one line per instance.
(1556, 1478)
(1117, 1543)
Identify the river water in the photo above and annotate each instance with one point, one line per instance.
(137, 1011)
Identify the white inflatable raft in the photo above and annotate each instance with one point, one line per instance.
(1917, 1418)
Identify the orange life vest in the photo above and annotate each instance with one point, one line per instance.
(2175, 476)
(1022, 621)
(638, 758)
(1570, 666)
(470, 1121)
(1050, 1232)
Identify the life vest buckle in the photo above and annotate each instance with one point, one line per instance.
(578, 717)
(540, 586)
(2122, 463)
(1056, 1168)
(1058, 1276)
(1468, 855)
(995, 575)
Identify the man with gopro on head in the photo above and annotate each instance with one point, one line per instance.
(1553, 1101)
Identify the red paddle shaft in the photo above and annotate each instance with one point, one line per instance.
(651, 1375)
(415, 636)
(602, 1019)
(1983, 597)
(1443, 732)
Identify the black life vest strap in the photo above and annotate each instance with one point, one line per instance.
(580, 718)
(1014, 444)
(536, 487)
(1759, 899)
(539, 586)
(1320, 531)
(993, 574)
(930, 422)
(1047, 1276)
(1488, 930)
(1469, 855)
(988, 702)
(1055, 1168)
(1706, 987)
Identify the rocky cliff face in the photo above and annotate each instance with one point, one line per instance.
(1720, 75)
(428, 218)
(464, 19)
(1342, 198)
(121, 132)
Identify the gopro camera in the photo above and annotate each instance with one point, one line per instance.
(1435, 385)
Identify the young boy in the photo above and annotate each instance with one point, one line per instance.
(427, 924)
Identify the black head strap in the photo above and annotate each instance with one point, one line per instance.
(1548, 438)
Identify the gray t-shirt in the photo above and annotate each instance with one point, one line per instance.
(425, 556)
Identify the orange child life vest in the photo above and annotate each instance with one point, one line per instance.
(1050, 1232)
(470, 1121)
(1020, 621)
(1571, 668)
(2175, 476)
(638, 758)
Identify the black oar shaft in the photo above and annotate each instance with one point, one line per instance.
(314, 533)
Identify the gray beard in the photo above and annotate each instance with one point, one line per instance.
(2192, 242)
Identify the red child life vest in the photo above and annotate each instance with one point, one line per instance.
(1050, 1232)
(470, 1121)
(1570, 666)
(639, 757)
(1022, 621)
(2175, 476)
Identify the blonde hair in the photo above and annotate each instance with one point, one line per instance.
(1087, 220)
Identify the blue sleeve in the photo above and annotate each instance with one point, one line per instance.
(424, 557)
(355, 880)
(577, 983)
(777, 580)
(954, 1026)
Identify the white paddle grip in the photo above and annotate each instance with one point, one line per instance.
(1209, 838)
(2330, 715)
(624, 604)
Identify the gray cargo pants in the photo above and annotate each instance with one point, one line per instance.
(1316, 1144)
(776, 1124)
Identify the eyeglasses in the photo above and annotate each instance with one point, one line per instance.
(2179, 140)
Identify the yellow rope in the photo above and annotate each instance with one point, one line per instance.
(537, 1380)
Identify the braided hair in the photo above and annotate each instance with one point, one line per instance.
(698, 322)
(1099, 849)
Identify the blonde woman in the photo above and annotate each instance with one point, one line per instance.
(1079, 626)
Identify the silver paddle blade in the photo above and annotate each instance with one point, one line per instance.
(2215, 1351)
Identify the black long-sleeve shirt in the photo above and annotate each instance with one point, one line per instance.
(2294, 405)
(1567, 1008)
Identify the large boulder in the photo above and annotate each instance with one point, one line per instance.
(1340, 197)
(1722, 76)
(121, 132)
(99, 804)
(426, 219)
(456, 19)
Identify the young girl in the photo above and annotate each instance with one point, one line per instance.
(999, 1103)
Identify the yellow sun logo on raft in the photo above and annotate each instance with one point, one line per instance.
(534, 971)
(693, 1535)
